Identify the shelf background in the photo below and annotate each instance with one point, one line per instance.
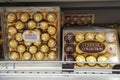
(106, 11)
(62, 3)
(52, 0)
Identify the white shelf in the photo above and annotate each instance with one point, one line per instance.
(48, 67)
(51, 76)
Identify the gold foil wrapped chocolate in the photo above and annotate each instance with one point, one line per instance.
(102, 59)
(19, 25)
(13, 43)
(39, 55)
(27, 43)
(51, 17)
(21, 48)
(43, 25)
(52, 55)
(19, 37)
(100, 36)
(45, 36)
(44, 48)
(24, 17)
(79, 37)
(31, 24)
(91, 60)
(52, 43)
(38, 17)
(38, 31)
(90, 36)
(26, 56)
(80, 59)
(32, 49)
(37, 43)
(11, 17)
(12, 31)
(14, 56)
(51, 30)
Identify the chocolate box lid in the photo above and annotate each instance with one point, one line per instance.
(87, 28)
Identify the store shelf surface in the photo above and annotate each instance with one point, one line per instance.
(51, 70)
(37, 76)
(50, 66)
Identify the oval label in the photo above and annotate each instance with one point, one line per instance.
(91, 46)
(31, 36)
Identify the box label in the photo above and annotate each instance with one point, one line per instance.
(31, 36)
(91, 46)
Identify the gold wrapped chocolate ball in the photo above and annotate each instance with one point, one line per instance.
(12, 31)
(52, 43)
(32, 49)
(79, 37)
(31, 24)
(11, 17)
(39, 55)
(80, 59)
(44, 48)
(100, 36)
(90, 36)
(51, 17)
(52, 30)
(52, 55)
(43, 25)
(26, 56)
(37, 43)
(45, 37)
(13, 43)
(21, 48)
(24, 17)
(38, 16)
(14, 56)
(91, 59)
(38, 31)
(102, 59)
(19, 37)
(19, 25)
(27, 43)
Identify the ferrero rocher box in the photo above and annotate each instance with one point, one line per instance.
(32, 33)
(72, 19)
(90, 46)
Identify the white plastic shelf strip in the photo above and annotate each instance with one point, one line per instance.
(51, 70)
(49, 67)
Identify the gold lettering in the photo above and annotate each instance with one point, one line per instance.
(97, 45)
(92, 45)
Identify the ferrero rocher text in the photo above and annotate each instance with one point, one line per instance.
(91, 46)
